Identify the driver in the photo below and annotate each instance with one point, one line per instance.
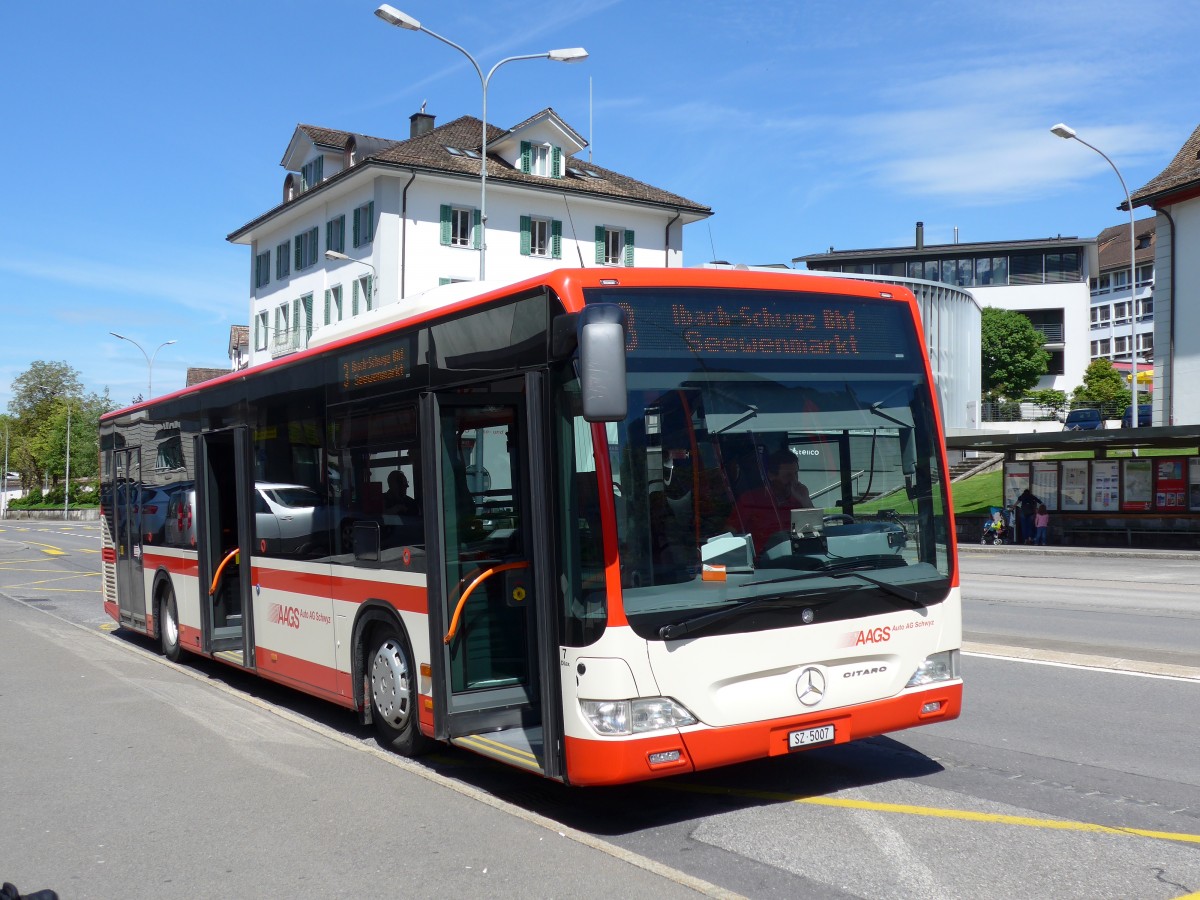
(766, 510)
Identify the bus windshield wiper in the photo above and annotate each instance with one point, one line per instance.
(852, 570)
(695, 623)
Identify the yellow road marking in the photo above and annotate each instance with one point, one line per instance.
(935, 812)
(49, 549)
(109, 626)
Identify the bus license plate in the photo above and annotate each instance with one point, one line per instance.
(810, 737)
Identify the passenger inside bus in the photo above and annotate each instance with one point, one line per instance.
(396, 500)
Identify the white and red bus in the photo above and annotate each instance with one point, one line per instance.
(605, 525)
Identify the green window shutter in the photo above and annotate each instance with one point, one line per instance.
(329, 235)
(354, 300)
(442, 281)
(357, 226)
(371, 221)
(370, 292)
(526, 225)
(555, 239)
(341, 226)
(314, 238)
(295, 320)
(257, 334)
(600, 244)
(328, 303)
(299, 252)
(308, 322)
(556, 162)
(445, 225)
(476, 219)
(629, 247)
(526, 157)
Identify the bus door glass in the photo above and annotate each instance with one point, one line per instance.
(223, 519)
(486, 572)
(131, 589)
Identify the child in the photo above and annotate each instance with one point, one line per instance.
(1041, 522)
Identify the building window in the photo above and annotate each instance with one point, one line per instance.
(1121, 312)
(362, 294)
(364, 224)
(283, 328)
(262, 328)
(1145, 275)
(614, 246)
(1145, 307)
(541, 237)
(1146, 343)
(335, 234)
(541, 159)
(313, 172)
(1101, 348)
(283, 260)
(460, 226)
(1121, 345)
(306, 249)
(333, 305)
(1102, 315)
(302, 323)
(1120, 280)
(1056, 365)
(262, 269)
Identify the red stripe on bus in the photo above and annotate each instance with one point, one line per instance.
(410, 598)
(602, 762)
(187, 565)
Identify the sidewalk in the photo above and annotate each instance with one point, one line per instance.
(123, 776)
(1110, 552)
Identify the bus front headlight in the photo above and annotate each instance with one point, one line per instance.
(616, 717)
(938, 667)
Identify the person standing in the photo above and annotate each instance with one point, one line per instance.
(1027, 505)
(1041, 524)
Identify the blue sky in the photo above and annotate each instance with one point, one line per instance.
(142, 133)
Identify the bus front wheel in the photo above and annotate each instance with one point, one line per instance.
(168, 625)
(393, 683)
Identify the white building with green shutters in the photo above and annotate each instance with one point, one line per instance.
(366, 222)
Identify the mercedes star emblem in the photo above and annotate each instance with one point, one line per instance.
(810, 686)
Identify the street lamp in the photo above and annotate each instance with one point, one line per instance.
(333, 254)
(149, 361)
(1067, 133)
(393, 16)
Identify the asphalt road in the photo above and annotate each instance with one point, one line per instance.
(1062, 779)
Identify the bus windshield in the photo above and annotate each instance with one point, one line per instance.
(779, 460)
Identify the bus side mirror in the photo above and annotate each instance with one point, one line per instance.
(602, 363)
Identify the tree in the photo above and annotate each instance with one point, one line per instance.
(1103, 387)
(38, 420)
(1012, 355)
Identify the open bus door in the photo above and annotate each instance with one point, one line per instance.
(127, 489)
(223, 541)
(493, 635)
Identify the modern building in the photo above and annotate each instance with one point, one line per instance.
(1113, 301)
(1174, 195)
(366, 222)
(1047, 280)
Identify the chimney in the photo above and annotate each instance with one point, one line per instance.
(920, 235)
(420, 123)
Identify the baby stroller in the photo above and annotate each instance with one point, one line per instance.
(997, 529)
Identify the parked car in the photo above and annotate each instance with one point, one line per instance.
(1084, 420)
(290, 519)
(1145, 416)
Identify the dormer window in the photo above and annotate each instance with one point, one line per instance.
(313, 172)
(543, 160)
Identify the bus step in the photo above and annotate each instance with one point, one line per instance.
(232, 656)
(521, 747)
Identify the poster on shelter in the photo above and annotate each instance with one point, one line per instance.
(1045, 483)
(1194, 484)
(1170, 489)
(1105, 485)
(1137, 482)
(1016, 479)
(1074, 479)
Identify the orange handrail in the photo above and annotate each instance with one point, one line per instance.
(462, 601)
(221, 568)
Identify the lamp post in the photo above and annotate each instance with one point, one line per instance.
(1067, 133)
(393, 16)
(149, 360)
(333, 254)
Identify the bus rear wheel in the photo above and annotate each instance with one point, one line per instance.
(168, 625)
(393, 685)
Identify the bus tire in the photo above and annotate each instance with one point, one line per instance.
(391, 675)
(168, 624)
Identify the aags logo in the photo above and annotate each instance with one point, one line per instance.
(873, 636)
(283, 615)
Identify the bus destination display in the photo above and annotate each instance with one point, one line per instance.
(378, 365)
(811, 325)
